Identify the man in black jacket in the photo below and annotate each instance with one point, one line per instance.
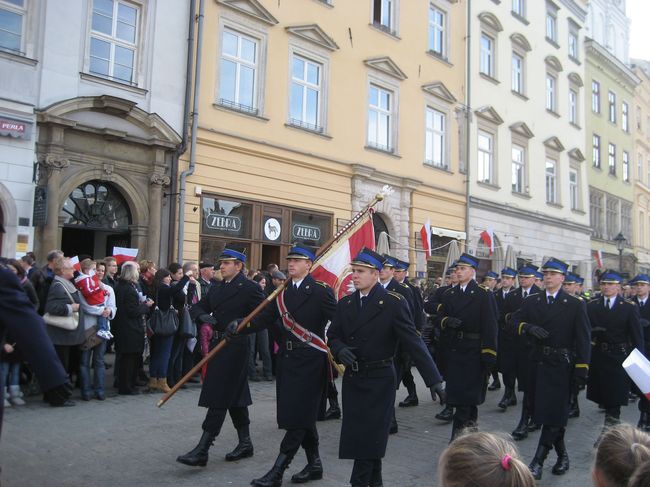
(642, 284)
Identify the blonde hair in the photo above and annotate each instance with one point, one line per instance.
(86, 264)
(623, 456)
(130, 271)
(483, 459)
(60, 264)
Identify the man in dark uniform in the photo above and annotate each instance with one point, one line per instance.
(490, 281)
(303, 367)
(225, 388)
(363, 336)
(642, 285)
(615, 332)
(514, 359)
(571, 286)
(468, 321)
(558, 322)
(506, 340)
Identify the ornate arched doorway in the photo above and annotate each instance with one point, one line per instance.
(95, 218)
(379, 225)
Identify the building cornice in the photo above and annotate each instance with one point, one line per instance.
(535, 217)
(608, 60)
(575, 9)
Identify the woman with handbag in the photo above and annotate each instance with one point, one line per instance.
(161, 344)
(65, 324)
(183, 278)
(128, 327)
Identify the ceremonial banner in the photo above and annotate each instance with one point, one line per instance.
(334, 265)
(598, 254)
(425, 233)
(75, 263)
(487, 236)
(638, 368)
(122, 254)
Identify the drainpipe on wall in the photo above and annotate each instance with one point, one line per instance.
(468, 104)
(195, 121)
(183, 146)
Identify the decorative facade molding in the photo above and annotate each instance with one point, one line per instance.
(53, 162)
(491, 20)
(576, 154)
(575, 79)
(553, 63)
(159, 179)
(520, 41)
(522, 129)
(387, 66)
(554, 144)
(607, 60)
(314, 34)
(489, 113)
(439, 90)
(252, 8)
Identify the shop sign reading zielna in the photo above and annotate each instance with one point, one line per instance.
(306, 232)
(215, 221)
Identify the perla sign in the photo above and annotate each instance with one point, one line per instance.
(306, 232)
(223, 223)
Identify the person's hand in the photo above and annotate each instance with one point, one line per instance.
(8, 348)
(347, 357)
(106, 313)
(231, 330)
(149, 302)
(452, 323)
(75, 306)
(58, 395)
(537, 332)
(190, 274)
(438, 390)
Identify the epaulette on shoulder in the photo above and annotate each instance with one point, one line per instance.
(572, 296)
(596, 298)
(484, 287)
(396, 295)
(322, 283)
(625, 300)
(404, 285)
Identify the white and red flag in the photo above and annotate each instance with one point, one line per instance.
(333, 267)
(487, 236)
(598, 255)
(637, 367)
(122, 254)
(75, 263)
(425, 234)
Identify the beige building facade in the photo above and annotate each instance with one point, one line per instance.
(307, 111)
(641, 130)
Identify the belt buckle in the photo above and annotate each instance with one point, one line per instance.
(355, 366)
(289, 345)
(460, 335)
(546, 350)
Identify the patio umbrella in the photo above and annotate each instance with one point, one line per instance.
(382, 244)
(453, 253)
(510, 259)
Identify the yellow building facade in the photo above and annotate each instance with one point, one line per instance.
(308, 108)
(641, 130)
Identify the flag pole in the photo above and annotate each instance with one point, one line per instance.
(386, 190)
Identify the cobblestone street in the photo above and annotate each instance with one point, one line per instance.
(127, 441)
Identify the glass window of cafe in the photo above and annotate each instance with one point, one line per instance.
(266, 231)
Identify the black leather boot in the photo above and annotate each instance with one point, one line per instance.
(574, 408)
(411, 399)
(375, 479)
(562, 465)
(537, 465)
(199, 456)
(643, 420)
(521, 431)
(244, 448)
(509, 399)
(496, 383)
(334, 411)
(456, 429)
(446, 414)
(313, 470)
(393, 426)
(273, 477)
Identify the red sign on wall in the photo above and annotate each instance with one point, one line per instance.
(14, 128)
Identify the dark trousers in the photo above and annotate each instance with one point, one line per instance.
(175, 367)
(509, 379)
(63, 352)
(407, 379)
(215, 417)
(550, 435)
(613, 412)
(128, 372)
(294, 439)
(644, 405)
(362, 472)
(466, 415)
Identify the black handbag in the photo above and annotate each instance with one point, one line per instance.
(164, 323)
(187, 328)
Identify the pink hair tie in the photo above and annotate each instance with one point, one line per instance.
(505, 462)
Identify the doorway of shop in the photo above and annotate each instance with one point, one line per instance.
(271, 255)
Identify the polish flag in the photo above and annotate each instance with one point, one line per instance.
(637, 367)
(333, 267)
(122, 254)
(487, 236)
(75, 263)
(425, 233)
(598, 255)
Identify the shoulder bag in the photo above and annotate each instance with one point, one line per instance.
(70, 322)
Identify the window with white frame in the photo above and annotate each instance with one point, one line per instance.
(384, 14)
(595, 96)
(574, 187)
(518, 169)
(487, 55)
(595, 147)
(437, 31)
(639, 166)
(611, 100)
(573, 107)
(485, 157)
(12, 20)
(238, 71)
(305, 98)
(626, 220)
(574, 51)
(596, 203)
(642, 239)
(435, 135)
(626, 166)
(113, 39)
(638, 117)
(551, 181)
(517, 73)
(625, 117)
(611, 159)
(551, 93)
(380, 118)
(551, 22)
(612, 226)
(519, 8)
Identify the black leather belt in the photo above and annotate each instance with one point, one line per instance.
(552, 350)
(374, 364)
(462, 335)
(612, 347)
(291, 345)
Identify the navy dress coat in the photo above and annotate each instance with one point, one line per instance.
(463, 347)
(226, 381)
(552, 370)
(128, 324)
(302, 372)
(608, 383)
(372, 331)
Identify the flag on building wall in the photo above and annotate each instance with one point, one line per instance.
(487, 236)
(333, 267)
(425, 233)
(122, 254)
(598, 255)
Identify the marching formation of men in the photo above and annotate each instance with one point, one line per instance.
(541, 335)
